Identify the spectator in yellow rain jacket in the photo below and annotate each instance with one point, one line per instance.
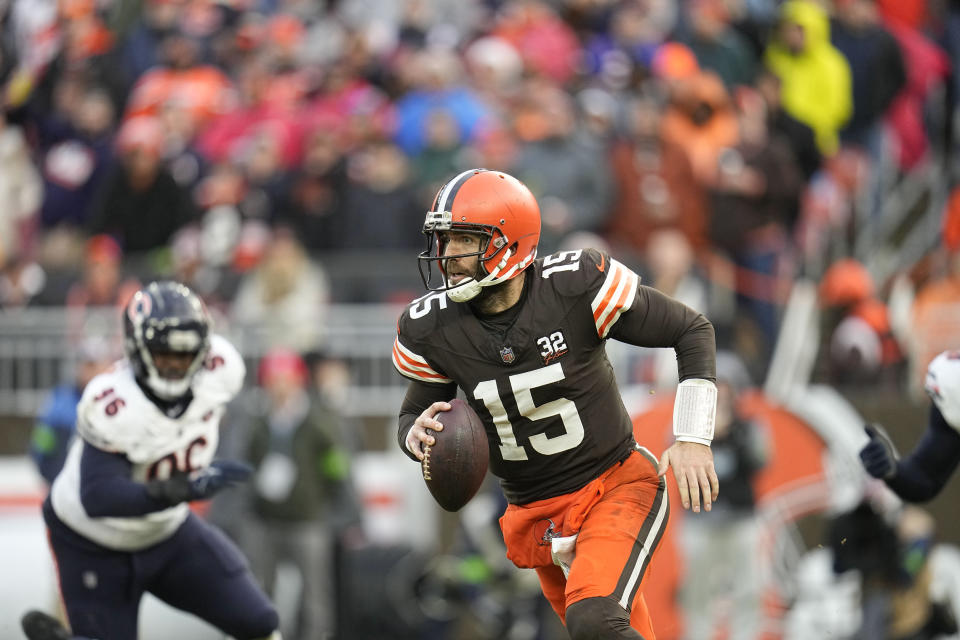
(816, 82)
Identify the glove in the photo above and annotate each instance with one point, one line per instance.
(879, 456)
(201, 484)
(204, 483)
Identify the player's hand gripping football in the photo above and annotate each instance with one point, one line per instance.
(417, 436)
(879, 456)
(693, 470)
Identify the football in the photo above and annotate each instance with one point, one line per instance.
(455, 465)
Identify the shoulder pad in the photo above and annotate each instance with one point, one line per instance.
(571, 273)
(422, 316)
(222, 374)
(942, 384)
(416, 324)
(610, 286)
(112, 411)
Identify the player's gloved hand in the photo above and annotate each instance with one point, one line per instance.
(880, 455)
(201, 484)
(219, 475)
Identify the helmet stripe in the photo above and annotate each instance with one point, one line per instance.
(449, 191)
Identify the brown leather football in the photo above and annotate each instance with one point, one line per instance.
(455, 465)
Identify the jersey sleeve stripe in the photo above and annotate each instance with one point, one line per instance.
(619, 289)
(409, 360)
(604, 328)
(406, 368)
(624, 293)
(409, 355)
(413, 366)
(602, 299)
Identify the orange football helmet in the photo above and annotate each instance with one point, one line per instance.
(490, 203)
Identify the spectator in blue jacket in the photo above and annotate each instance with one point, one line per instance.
(58, 415)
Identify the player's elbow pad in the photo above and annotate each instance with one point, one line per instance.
(695, 411)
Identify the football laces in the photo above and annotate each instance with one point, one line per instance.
(425, 464)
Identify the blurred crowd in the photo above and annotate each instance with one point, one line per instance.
(280, 154)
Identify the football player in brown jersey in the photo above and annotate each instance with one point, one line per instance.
(523, 338)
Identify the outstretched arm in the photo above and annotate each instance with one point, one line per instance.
(921, 475)
(107, 490)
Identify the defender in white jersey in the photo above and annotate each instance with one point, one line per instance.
(117, 513)
(922, 474)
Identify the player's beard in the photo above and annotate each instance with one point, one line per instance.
(490, 297)
(487, 296)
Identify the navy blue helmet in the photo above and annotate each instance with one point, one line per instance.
(166, 319)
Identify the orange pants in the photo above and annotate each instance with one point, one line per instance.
(619, 518)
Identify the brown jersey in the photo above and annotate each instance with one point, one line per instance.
(542, 385)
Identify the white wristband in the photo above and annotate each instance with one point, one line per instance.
(695, 411)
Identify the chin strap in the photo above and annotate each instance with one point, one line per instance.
(165, 389)
(470, 288)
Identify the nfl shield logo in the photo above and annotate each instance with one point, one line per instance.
(506, 354)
